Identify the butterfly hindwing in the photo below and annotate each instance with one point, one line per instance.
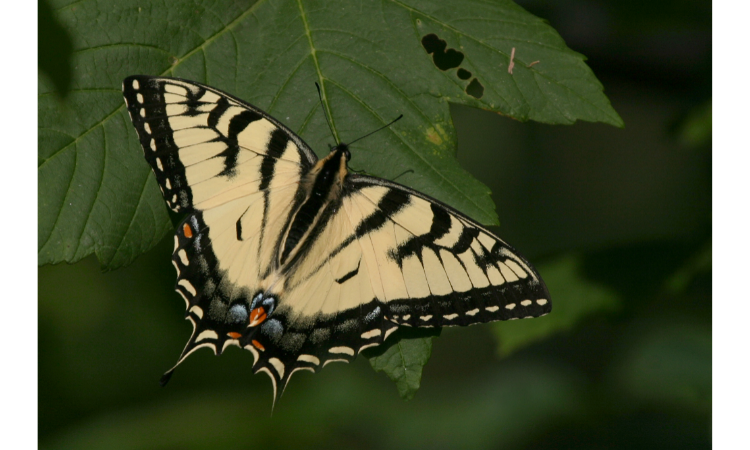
(332, 312)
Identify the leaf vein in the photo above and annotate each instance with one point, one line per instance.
(121, 44)
(317, 68)
(384, 78)
(132, 219)
(286, 81)
(81, 136)
(271, 62)
(98, 190)
(65, 199)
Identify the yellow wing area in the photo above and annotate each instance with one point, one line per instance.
(206, 147)
(434, 266)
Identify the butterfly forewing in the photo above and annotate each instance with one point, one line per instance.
(208, 148)
(443, 268)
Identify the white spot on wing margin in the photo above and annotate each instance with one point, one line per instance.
(188, 287)
(342, 350)
(309, 358)
(334, 360)
(207, 334)
(371, 334)
(278, 365)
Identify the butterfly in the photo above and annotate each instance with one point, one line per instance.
(297, 259)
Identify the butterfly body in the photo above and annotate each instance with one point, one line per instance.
(298, 260)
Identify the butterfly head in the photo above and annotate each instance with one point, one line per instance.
(343, 149)
(341, 155)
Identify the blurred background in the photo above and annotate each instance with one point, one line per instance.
(618, 221)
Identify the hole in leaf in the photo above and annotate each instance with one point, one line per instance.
(475, 89)
(443, 59)
(464, 74)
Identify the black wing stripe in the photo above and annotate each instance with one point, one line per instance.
(221, 107)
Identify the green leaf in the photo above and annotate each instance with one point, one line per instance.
(404, 357)
(371, 59)
(668, 362)
(699, 263)
(573, 299)
(55, 50)
(695, 131)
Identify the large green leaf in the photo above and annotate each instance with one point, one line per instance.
(370, 57)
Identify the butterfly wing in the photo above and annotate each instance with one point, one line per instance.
(438, 266)
(234, 170)
(207, 147)
(330, 309)
(418, 261)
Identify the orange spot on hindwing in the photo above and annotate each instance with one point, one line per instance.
(257, 316)
(187, 231)
(234, 335)
(257, 345)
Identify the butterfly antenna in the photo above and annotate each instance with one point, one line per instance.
(325, 112)
(402, 174)
(373, 132)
